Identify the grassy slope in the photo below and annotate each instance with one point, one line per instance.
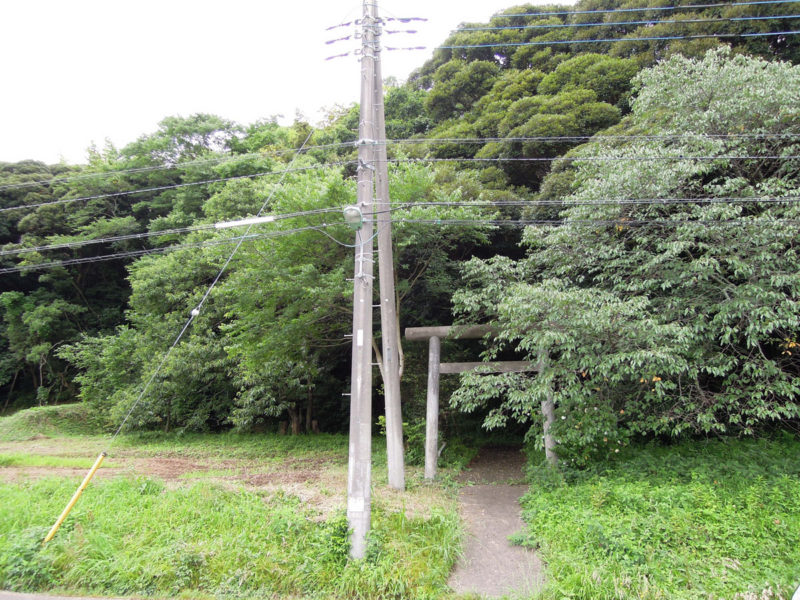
(212, 538)
(134, 536)
(63, 420)
(717, 519)
(702, 520)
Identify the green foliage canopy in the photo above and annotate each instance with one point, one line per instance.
(663, 317)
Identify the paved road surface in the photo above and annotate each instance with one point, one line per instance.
(491, 565)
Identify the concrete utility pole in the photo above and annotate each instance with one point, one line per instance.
(359, 475)
(390, 326)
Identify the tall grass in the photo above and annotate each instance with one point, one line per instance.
(133, 536)
(703, 520)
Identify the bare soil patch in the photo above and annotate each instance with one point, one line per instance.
(17, 474)
(319, 481)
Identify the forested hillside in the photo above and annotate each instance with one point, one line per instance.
(625, 210)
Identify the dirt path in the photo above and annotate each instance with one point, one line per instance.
(491, 566)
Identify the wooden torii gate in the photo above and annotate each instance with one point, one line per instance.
(436, 368)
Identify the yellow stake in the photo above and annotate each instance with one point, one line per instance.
(75, 497)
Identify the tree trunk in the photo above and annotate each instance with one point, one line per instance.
(549, 415)
(32, 373)
(294, 417)
(309, 409)
(41, 378)
(10, 391)
(283, 427)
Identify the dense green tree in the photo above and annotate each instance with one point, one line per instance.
(458, 85)
(180, 139)
(272, 334)
(608, 77)
(497, 52)
(405, 113)
(668, 317)
(495, 94)
(70, 205)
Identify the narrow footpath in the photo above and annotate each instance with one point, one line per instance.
(491, 566)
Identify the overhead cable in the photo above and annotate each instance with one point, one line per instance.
(164, 250)
(421, 160)
(228, 158)
(590, 159)
(173, 186)
(644, 9)
(607, 202)
(199, 307)
(615, 40)
(622, 222)
(624, 23)
(409, 205)
(476, 140)
(737, 222)
(599, 137)
(149, 234)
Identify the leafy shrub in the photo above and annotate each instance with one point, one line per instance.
(24, 563)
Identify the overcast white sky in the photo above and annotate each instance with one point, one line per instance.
(89, 70)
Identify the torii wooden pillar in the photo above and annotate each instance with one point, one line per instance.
(436, 368)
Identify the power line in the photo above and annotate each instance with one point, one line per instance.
(477, 140)
(643, 9)
(600, 137)
(613, 40)
(457, 140)
(624, 23)
(130, 171)
(343, 163)
(737, 222)
(169, 166)
(164, 250)
(590, 159)
(196, 310)
(174, 186)
(409, 205)
(607, 202)
(105, 240)
(149, 234)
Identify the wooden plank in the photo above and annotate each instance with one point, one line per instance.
(460, 332)
(507, 366)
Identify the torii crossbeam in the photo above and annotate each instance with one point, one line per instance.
(436, 368)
